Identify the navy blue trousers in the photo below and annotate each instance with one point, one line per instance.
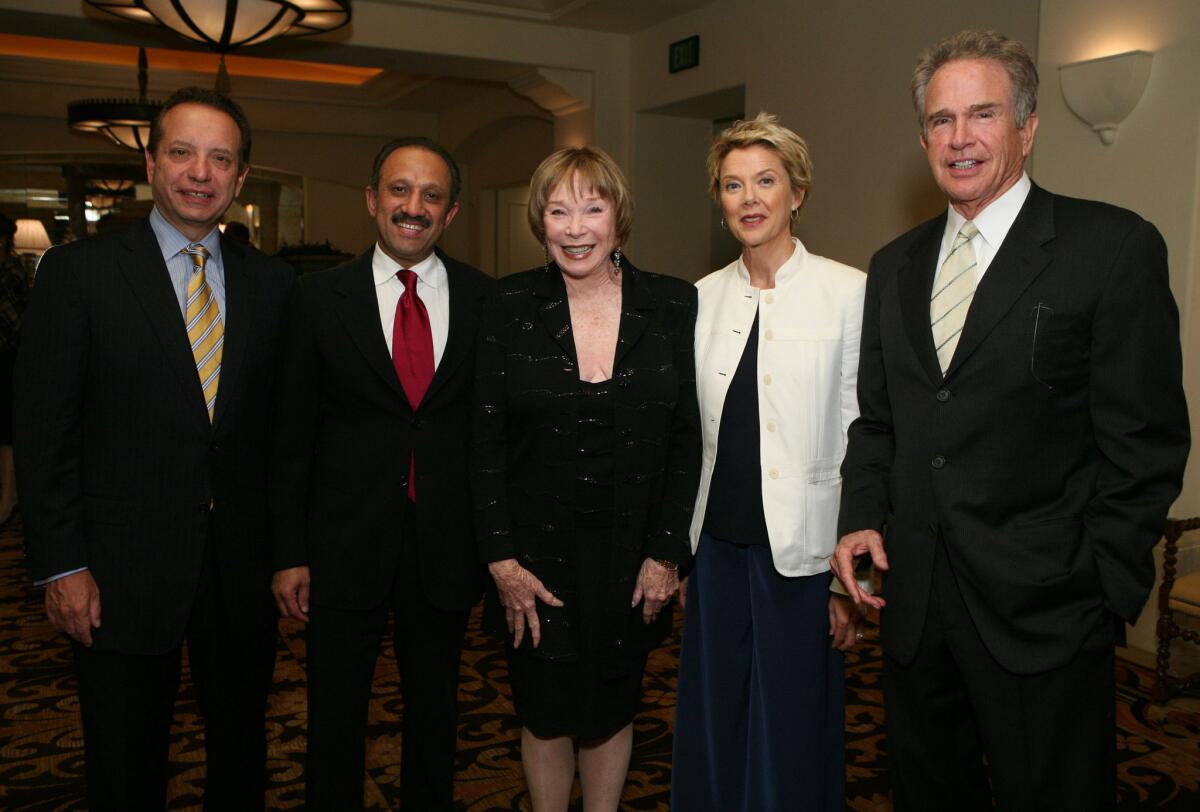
(760, 712)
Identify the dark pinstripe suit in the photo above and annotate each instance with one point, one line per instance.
(121, 472)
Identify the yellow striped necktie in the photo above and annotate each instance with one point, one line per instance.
(953, 291)
(205, 331)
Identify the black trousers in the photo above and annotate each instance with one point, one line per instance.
(127, 703)
(1049, 739)
(343, 646)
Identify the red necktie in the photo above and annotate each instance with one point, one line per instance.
(412, 352)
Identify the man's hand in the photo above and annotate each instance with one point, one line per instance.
(290, 587)
(655, 585)
(73, 605)
(520, 590)
(850, 547)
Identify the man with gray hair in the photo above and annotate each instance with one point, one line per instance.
(1023, 433)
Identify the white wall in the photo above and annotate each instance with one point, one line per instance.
(837, 73)
(670, 196)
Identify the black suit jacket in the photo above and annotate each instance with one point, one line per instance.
(120, 468)
(345, 433)
(526, 422)
(1048, 456)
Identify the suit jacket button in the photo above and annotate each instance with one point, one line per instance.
(943, 395)
(938, 462)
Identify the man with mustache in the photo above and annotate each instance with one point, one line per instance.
(370, 503)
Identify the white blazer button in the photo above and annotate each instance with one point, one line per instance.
(767, 379)
(773, 473)
(770, 298)
(770, 425)
(770, 334)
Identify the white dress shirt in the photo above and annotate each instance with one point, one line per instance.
(993, 224)
(433, 287)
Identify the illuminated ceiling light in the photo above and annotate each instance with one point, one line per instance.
(224, 25)
(115, 186)
(125, 121)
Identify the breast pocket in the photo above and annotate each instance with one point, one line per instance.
(1060, 346)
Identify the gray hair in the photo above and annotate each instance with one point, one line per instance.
(975, 44)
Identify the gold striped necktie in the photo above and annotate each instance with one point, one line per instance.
(205, 331)
(953, 291)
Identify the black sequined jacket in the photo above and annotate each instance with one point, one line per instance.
(525, 422)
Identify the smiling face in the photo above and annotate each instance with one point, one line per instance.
(581, 229)
(971, 137)
(194, 174)
(412, 205)
(757, 198)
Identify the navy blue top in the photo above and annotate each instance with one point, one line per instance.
(735, 506)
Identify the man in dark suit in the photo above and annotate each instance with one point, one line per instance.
(1023, 434)
(143, 396)
(370, 501)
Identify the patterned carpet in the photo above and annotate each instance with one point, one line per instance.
(41, 756)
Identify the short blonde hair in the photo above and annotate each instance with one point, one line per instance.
(763, 130)
(596, 171)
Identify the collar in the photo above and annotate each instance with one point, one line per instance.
(171, 241)
(997, 217)
(430, 271)
(788, 271)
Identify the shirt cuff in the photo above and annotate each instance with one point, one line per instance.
(46, 581)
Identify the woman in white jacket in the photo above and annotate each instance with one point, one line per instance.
(759, 718)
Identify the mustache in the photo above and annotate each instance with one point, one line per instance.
(400, 218)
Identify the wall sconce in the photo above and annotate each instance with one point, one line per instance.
(31, 237)
(1104, 91)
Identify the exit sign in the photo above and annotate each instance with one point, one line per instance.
(684, 54)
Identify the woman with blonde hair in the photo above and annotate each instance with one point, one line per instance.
(759, 716)
(584, 470)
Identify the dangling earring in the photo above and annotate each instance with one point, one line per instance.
(723, 226)
(796, 214)
(617, 261)
(545, 257)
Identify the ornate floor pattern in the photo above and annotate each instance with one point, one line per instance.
(41, 755)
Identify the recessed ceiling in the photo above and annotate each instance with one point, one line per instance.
(619, 16)
(205, 62)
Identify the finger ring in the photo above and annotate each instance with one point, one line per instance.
(858, 635)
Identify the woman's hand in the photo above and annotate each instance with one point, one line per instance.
(655, 585)
(520, 590)
(843, 621)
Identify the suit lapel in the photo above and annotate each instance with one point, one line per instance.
(464, 318)
(554, 311)
(915, 281)
(236, 317)
(635, 300)
(145, 271)
(358, 310)
(1018, 262)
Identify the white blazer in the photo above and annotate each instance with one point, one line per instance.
(808, 339)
